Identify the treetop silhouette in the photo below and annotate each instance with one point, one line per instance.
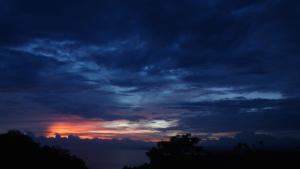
(183, 152)
(20, 151)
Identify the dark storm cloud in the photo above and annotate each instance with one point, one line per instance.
(243, 115)
(21, 71)
(36, 83)
(59, 19)
(91, 58)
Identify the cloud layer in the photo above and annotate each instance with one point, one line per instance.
(211, 66)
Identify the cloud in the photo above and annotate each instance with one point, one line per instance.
(215, 66)
(97, 128)
(89, 128)
(243, 115)
(252, 139)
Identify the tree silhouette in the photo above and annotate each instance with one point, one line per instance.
(182, 152)
(19, 151)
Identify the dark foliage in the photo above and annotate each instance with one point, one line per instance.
(19, 151)
(182, 152)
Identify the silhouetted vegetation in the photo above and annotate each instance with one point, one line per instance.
(19, 151)
(183, 152)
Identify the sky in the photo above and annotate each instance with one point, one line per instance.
(146, 70)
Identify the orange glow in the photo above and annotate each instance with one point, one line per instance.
(90, 128)
(82, 129)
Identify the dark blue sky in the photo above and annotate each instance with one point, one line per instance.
(148, 69)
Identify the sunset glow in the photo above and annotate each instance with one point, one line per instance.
(117, 129)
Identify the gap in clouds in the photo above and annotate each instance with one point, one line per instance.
(90, 128)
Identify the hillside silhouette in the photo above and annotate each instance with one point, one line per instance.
(20, 151)
(180, 152)
(183, 152)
